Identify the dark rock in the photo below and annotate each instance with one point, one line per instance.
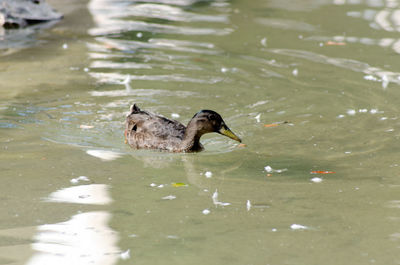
(21, 13)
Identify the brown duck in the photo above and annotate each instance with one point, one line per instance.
(145, 130)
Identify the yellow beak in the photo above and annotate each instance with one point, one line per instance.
(227, 132)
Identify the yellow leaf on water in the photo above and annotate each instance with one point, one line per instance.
(179, 184)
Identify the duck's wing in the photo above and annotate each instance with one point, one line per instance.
(151, 125)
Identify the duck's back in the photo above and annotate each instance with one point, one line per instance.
(149, 131)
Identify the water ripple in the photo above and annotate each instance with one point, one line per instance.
(354, 65)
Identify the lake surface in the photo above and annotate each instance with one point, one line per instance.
(311, 87)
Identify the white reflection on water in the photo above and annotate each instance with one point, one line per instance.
(84, 239)
(127, 27)
(84, 194)
(108, 16)
(354, 65)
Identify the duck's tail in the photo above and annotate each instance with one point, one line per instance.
(134, 109)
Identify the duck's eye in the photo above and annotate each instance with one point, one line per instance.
(212, 117)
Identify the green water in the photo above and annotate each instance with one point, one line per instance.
(329, 69)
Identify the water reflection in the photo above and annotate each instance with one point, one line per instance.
(85, 238)
(124, 27)
(84, 194)
(382, 75)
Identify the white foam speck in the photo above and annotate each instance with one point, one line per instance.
(139, 34)
(224, 70)
(80, 178)
(268, 169)
(264, 42)
(351, 112)
(295, 72)
(65, 46)
(257, 117)
(153, 185)
(363, 110)
(340, 116)
(298, 227)
(160, 186)
(248, 205)
(347, 152)
(373, 111)
(125, 255)
(206, 211)
(383, 118)
(104, 154)
(175, 115)
(84, 126)
(316, 180)
(216, 201)
(169, 197)
(370, 77)
(208, 174)
(274, 229)
(385, 81)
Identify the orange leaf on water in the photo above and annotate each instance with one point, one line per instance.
(322, 172)
(241, 145)
(271, 125)
(335, 43)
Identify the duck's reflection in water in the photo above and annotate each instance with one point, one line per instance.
(85, 238)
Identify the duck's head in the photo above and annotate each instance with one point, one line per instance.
(207, 121)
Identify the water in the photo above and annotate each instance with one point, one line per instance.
(311, 87)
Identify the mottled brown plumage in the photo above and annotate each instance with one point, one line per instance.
(145, 130)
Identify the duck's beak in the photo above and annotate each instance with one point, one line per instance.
(227, 132)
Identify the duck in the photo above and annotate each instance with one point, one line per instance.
(146, 130)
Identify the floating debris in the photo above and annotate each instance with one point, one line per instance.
(351, 112)
(271, 125)
(208, 174)
(385, 81)
(80, 178)
(298, 227)
(83, 126)
(206, 211)
(248, 205)
(269, 169)
(334, 43)
(264, 42)
(169, 197)
(322, 172)
(179, 184)
(316, 180)
(216, 201)
(370, 78)
(241, 145)
(125, 255)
